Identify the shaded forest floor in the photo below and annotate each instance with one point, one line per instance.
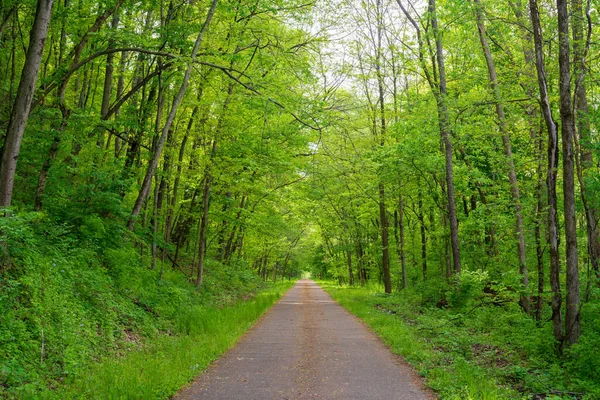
(476, 346)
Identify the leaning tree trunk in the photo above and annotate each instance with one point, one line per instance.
(572, 299)
(22, 104)
(512, 177)
(143, 194)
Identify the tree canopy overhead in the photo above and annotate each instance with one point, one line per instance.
(410, 143)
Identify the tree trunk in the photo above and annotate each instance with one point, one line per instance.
(444, 122)
(108, 78)
(399, 224)
(203, 225)
(166, 129)
(538, 225)
(586, 161)
(512, 177)
(572, 299)
(230, 245)
(206, 189)
(175, 195)
(551, 126)
(387, 278)
(423, 237)
(22, 104)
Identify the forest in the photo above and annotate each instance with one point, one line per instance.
(435, 162)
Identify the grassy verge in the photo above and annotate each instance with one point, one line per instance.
(168, 362)
(474, 352)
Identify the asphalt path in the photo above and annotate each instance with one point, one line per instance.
(308, 347)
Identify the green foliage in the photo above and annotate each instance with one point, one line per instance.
(492, 351)
(68, 302)
(467, 289)
(167, 362)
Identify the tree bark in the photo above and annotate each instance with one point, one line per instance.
(572, 299)
(203, 226)
(22, 104)
(175, 194)
(399, 225)
(385, 242)
(423, 236)
(586, 161)
(551, 126)
(108, 78)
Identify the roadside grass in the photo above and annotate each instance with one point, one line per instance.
(167, 362)
(472, 352)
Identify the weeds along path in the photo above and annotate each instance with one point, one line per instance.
(308, 347)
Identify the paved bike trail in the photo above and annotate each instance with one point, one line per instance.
(308, 347)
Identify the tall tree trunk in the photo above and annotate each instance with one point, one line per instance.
(539, 217)
(154, 222)
(203, 226)
(175, 195)
(444, 122)
(231, 240)
(385, 242)
(349, 263)
(22, 104)
(439, 88)
(108, 78)
(120, 89)
(387, 279)
(551, 126)
(399, 232)
(423, 236)
(206, 189)
(512, 177)
(572, 299)
(586, 161)
(166, 129)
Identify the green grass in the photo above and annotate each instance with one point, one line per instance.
(446, 362)
(166, 363)
(84, 316)
(479, 345)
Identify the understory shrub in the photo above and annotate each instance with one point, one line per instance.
(67, 301)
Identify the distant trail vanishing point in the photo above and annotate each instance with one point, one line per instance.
(308, 347)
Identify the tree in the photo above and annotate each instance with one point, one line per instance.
(438, 84)
(552, 129)
(145, 189)
(23, 100)
(572, 299)
(512, 177)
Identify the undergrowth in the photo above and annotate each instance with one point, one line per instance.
(83, 315)
(471, 341)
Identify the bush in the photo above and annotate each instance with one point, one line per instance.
(70, 296)
(467, 289)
